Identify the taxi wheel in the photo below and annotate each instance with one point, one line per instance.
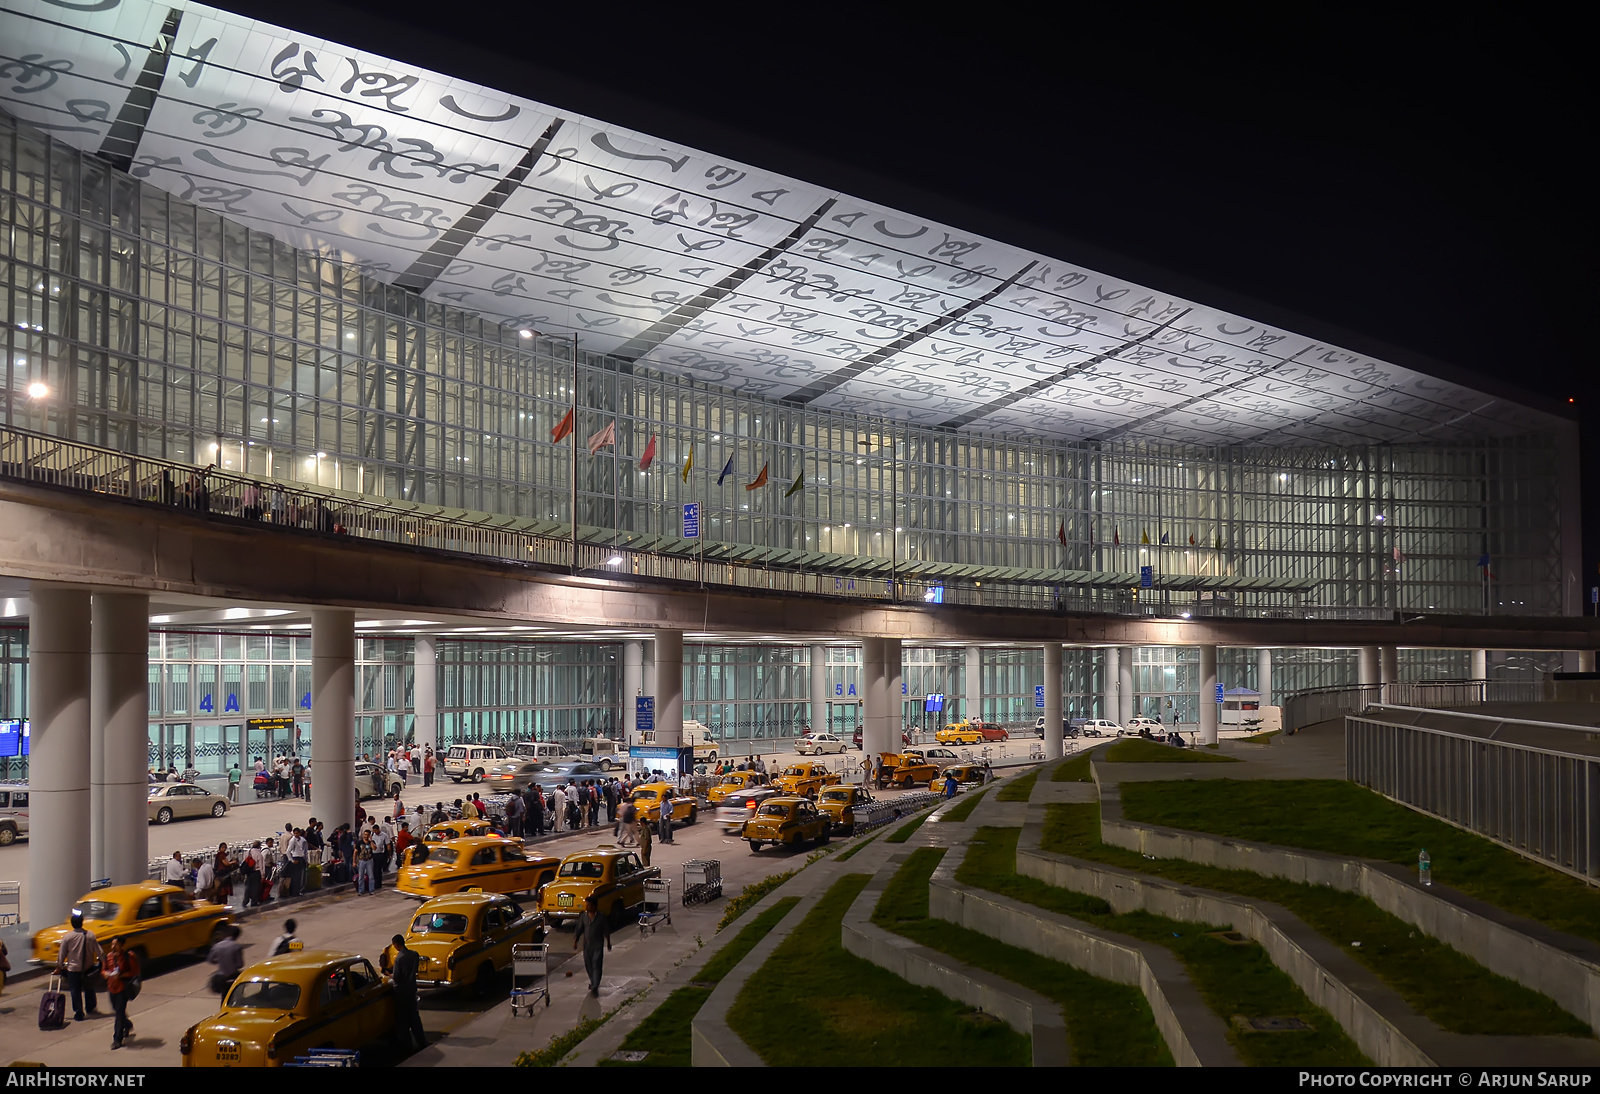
(694, 815)
(218, 809)
(485, 982)
(755, 845)
(164, 815)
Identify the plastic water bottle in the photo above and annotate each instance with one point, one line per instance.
(1425, 868)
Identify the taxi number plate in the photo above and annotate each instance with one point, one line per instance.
(228, 1050)
(564, 900)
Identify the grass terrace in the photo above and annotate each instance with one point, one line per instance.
(1134, 750)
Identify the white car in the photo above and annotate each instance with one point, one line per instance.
(1100, 727)
(1142, 722)
(815, 744)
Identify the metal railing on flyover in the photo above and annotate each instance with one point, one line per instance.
(1540, 802)
(1305, 708)
(43, 459)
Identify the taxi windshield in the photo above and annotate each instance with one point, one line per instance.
(645, 795)
(99, 909)
(776, 809)
(265, 994)
(795, 771)
(446, 855)
(735, 779)
(837, 795)
(583, 869)
(439, 923)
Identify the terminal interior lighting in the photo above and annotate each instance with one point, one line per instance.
(37, 390)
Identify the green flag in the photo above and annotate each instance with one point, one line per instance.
(799, 483)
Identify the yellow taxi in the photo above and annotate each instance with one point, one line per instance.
(839, 805)
(465, 939)
(461, 829)
(786, 822)
(152, 918)
(733, 782)
(647, 800)
(493, 864)
(963, 774)
(906, 770)
(959, 733)
(613, 875)
(805, 779)
(281, 1007)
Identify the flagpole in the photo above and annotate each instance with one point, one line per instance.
(616, 460)
(894, 515)
(573, 437)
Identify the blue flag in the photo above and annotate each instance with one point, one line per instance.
(727, 469)
(1483, 560)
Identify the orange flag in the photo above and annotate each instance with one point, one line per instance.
(761, 479)
(563, 427)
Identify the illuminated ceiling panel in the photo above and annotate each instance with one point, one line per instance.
(676, 258)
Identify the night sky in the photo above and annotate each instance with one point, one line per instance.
(1407, 184)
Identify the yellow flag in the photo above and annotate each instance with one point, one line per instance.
(688, 464)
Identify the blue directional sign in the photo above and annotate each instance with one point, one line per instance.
(1147, 577)
(691, 520)
(1038, 696)
(1219, 693)
(644, 713)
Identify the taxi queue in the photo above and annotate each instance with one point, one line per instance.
(468, 877)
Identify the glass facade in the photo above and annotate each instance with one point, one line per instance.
(158, 326)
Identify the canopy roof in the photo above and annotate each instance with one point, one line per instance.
(682, 260)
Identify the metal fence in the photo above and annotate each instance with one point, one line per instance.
(1304, 708)
(1541, 803)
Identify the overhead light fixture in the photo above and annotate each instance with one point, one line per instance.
(37, 390)
(614, 560)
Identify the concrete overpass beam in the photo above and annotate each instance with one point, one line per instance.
(1108, 683)
(333, 716)
(1480, 665)
(58, 779)
(1054, 685)
(119, 717)
(1367, 674)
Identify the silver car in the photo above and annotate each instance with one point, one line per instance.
(366, 787)
(513, 776)
(560, 774)
(169, 801)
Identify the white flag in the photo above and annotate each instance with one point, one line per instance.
(606, 436)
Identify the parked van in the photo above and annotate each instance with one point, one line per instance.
(13, 812)
(604, 751)
(539, 750)
(472, 761)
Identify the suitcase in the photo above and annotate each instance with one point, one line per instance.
(52, 1007)
(313, 876)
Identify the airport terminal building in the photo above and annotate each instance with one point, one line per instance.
(302, 342)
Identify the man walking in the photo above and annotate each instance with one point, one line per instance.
(593, 933)
(407, 1021)
(234, 775)
(298, 853)
(80, 954)
(666, 818)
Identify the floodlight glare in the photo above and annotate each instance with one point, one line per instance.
(37, 390)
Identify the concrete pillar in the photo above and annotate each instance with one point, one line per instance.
(1480, 665)
(333, 716)
(817, 678)
(1367, 670)
(119, 719)
(1208, 695)
(1389, 671)
(894, 685)
(632, 688)
(58, 772)
(425, 693)
(875, 736)
(1108, 683)
(649, 669)
(1053, 687)
(1124, 712)
(1264, 677)
(972, 694)
(669, 688)
(1586, 660)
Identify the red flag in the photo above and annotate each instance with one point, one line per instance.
(1191, 539)
(1116, 538)
(649, 456)
(563, 427)
(761, 479)
(1061, 533)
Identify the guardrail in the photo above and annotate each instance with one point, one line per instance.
(1540, 802)
(52, 461)
(1304, 708)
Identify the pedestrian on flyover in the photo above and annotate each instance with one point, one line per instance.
(234, 775)
(593, 933)
(79, 955)
(407, 1021)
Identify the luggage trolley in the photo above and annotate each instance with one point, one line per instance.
(702, 880)
(530, 976)
(657, 905)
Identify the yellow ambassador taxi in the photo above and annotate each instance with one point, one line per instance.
(906, 770)
(465, 939)
(281, 1007)
(965, 774)
(152, 918)
(839, 805)
(733, 782)
(461, 829)
(613, 875)
(959, 733)
(647, 800)
(787, 822)
(493, 864)
(805, 779)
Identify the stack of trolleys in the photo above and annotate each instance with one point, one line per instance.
(702, 880)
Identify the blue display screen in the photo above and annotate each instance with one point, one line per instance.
(12, 741)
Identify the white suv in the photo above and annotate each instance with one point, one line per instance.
(472, 761)
(815, 744)
(13, 812)
(1100, 727)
